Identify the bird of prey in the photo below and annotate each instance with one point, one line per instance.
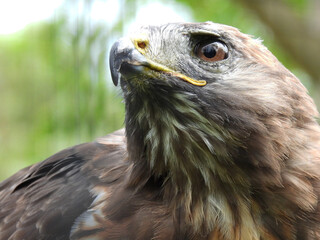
(220, 143)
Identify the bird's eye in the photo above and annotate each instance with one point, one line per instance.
(212, 52)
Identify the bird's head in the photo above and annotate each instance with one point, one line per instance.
(200, 58)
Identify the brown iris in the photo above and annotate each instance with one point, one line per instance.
(212, 52)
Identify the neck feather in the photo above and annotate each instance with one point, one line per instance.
(245, 178)
(171, 139)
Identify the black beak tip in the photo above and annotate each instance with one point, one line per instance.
(115, 75)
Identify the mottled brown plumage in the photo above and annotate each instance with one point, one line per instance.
(221, 143)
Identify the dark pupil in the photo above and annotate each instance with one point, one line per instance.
(209, 51)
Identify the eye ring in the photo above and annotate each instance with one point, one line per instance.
(212, 51)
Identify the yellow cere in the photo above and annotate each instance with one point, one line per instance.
(141, 44)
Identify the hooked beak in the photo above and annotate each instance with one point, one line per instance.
(124, 59)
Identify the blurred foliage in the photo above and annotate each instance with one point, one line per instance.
(55, 87)
(54, 92)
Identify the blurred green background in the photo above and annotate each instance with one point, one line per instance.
(55, 85)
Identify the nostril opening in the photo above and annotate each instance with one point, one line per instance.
(142, 44)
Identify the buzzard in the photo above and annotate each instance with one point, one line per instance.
(220, 142)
